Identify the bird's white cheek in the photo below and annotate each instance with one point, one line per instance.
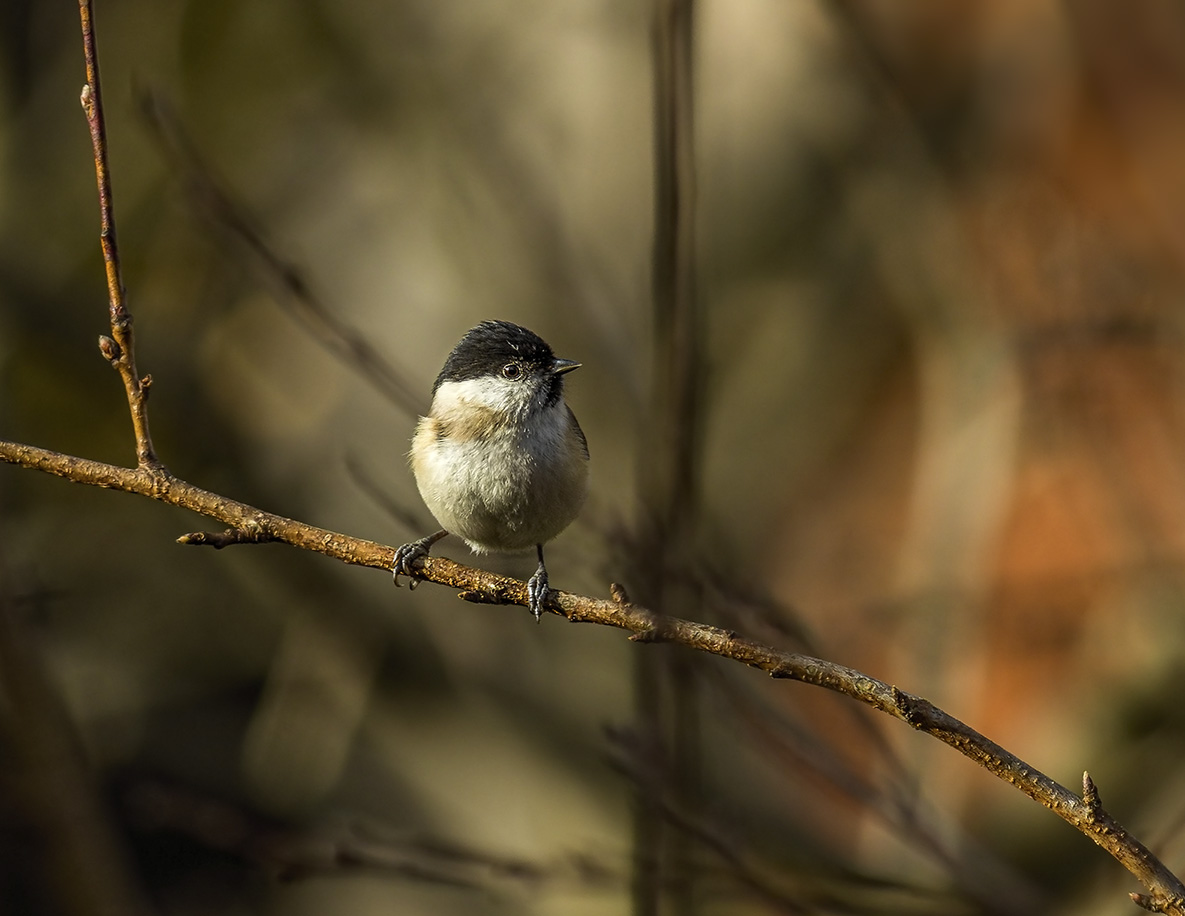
(490, 393)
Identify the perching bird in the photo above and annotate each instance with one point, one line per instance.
(500, 460)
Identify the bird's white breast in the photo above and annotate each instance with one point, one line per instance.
(495, 472)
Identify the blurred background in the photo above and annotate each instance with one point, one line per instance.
(937, 434)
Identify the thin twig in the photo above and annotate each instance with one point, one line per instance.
(119, 348)
(294, 292)
(993, 885)
(633, 759)
(1166, 891)
(50, 790)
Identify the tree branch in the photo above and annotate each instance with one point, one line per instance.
(665, 686)
(119, 348)
(1086, 814)
(295, 292)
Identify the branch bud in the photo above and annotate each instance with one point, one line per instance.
(109, 348)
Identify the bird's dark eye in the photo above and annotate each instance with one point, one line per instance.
(511, 371)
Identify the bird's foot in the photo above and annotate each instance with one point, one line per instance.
(537, 591)
(406, 555)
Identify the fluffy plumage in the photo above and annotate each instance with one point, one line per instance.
(500, 460)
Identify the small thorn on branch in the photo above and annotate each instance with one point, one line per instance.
(1147, 902)
(1090, 796)
(1158, 902)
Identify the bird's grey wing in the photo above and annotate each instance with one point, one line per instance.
(579, 431)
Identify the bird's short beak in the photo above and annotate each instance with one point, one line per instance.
(560, 366)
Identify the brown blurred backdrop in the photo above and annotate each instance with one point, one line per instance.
(941, 252)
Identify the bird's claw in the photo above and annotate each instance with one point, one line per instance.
(405, 556)
(537, 592)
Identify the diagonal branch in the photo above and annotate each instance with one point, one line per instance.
(295, 292)
(1086, 814)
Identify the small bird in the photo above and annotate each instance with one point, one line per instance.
(500, 460)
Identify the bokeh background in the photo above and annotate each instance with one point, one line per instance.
(939, 434)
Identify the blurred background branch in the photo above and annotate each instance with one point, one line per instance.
(293, 289)
(662, 555)
(52, 797)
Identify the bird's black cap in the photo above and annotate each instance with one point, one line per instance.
(485, 349)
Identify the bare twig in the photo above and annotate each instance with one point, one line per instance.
(678, 368)
(119, 348)
(50, 790)
(892, 799)
(410, 519)
(633, 759)
(665, 687)
(295, 293)
(1166, 892)
(291, 853)
(256, 526)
